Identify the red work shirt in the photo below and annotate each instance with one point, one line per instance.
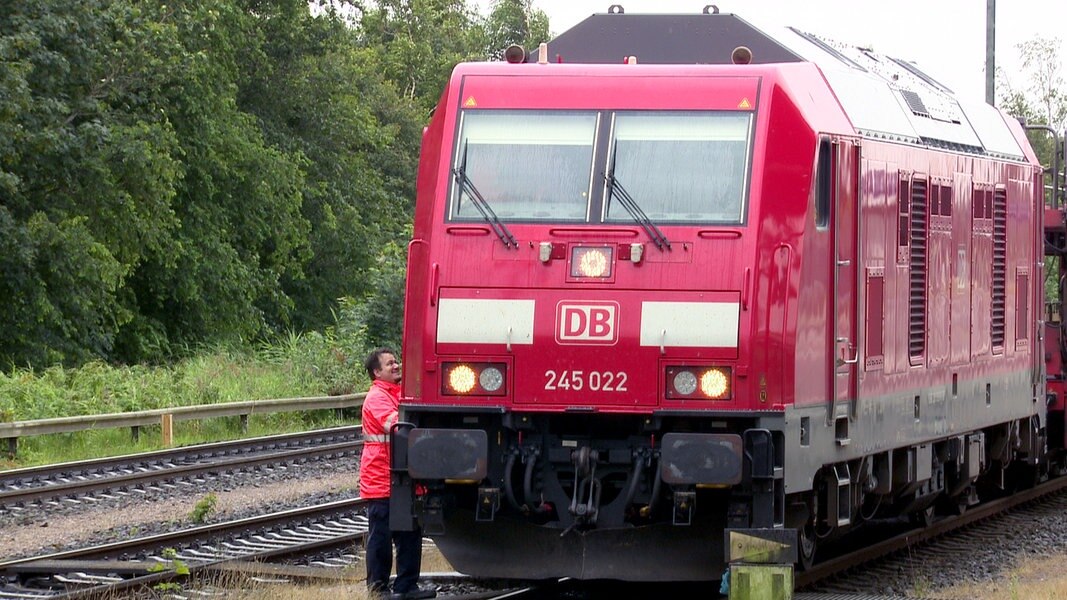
(380, 411)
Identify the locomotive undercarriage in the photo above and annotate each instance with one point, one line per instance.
(557, 470)
(920, 482)
(560, 486)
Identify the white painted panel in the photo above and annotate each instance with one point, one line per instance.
(689, 324)
(988, 122)
(478, 321)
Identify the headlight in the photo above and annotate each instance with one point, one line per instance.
(461, 379)
(473, 379)
(714, 383)
(592, 262)
(698, 382)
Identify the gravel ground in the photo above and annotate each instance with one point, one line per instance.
(35, 531)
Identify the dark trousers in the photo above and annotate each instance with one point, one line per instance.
(380, 541)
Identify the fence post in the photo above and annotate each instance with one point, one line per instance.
(244, 423)
(12, 447)
(167, 426)
(135, 433)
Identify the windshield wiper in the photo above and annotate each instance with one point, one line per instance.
(483, 207)
(615, 190)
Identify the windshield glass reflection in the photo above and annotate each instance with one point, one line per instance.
(529, 165)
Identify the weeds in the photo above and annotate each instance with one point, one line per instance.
(204, 507)
(920, 587)
(173, 564)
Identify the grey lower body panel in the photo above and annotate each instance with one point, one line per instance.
(509, 548)
(898, 420)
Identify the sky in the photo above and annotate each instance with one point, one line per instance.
(946, 38)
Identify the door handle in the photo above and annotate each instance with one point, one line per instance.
(841, 360)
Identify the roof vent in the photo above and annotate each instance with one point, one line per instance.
(915, 103)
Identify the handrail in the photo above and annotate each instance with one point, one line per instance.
(135, 419)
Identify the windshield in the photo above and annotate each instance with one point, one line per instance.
(528, 165)
(544, 165)
(682, 166)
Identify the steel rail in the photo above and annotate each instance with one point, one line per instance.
(80, 488)
(40, 475)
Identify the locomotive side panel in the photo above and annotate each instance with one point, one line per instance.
(962, 274)
(785, 314)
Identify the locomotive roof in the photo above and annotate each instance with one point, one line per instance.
(884, 97)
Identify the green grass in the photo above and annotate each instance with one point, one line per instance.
(314, 364)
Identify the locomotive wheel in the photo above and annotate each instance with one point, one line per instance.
(957, 505)
(922, 518)
(800, 515)
(806, 546)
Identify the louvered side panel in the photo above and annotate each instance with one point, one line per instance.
(917, 269)
(1000, 244)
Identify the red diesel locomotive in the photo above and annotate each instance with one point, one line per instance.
(673, 276)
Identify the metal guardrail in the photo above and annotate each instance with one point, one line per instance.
(165, 416)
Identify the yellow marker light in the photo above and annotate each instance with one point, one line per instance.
(591, 261)
(714, 383)
(461, 379)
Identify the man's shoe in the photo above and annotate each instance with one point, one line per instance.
(418, 593)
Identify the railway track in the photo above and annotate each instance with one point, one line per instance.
(101, 479)
(325, 535)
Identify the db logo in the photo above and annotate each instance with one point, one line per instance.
(587, 322)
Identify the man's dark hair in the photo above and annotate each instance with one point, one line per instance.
(374, 360)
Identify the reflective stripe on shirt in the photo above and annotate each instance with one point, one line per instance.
(376, 438)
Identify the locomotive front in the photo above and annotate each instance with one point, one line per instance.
(580, 397)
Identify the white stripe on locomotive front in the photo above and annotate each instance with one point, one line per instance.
(690, 324)
(677, 324)
(478, 321)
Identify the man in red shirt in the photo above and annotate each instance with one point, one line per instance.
(380, 411)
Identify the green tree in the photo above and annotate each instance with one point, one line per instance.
(174, 174)
(1041, 62)
(1042, 101)
(239, 204)
(143, 208)
(87, 171)
(420, 41)
(514, 22)
(320, 96)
